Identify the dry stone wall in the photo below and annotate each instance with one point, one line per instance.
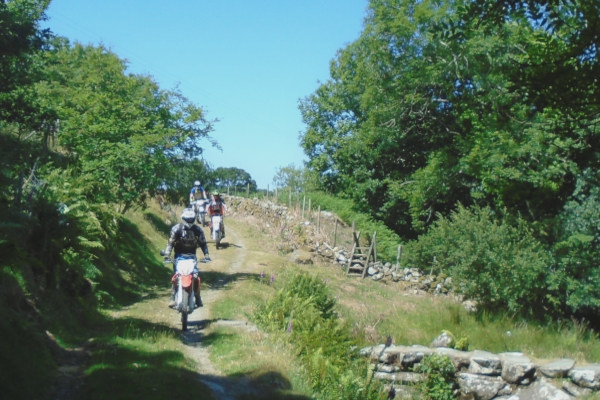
(484, 376)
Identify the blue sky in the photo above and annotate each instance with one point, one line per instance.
(246, 63)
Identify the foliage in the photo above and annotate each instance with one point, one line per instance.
(501, 266)
(305, 310)
(119, 133)
(577, 249)
(223, 178)
(295, 179)
(441, 103)
(439, 377)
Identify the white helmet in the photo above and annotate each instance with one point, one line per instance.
(196, 183)
(188, 216)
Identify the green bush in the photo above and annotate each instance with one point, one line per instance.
(438, 383)
(304, 310)
(500, 265)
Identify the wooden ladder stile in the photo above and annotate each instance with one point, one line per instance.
(360, 257)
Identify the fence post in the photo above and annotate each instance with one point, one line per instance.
(398, 257)
(335, 233)
(303, 205)
(319, 220)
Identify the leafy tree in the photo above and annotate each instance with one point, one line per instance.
(577, 250)
(228, 177)
(119, 132)
(293, 178)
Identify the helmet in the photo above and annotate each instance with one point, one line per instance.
(196, 183)
(188, 216)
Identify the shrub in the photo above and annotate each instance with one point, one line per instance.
(501, 266)
(438, 383)
(304, 309)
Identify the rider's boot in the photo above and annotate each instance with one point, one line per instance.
(198, 300)
(172, 302)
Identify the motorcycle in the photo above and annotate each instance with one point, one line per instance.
(216, 232)
(183, 279)
(200, 207)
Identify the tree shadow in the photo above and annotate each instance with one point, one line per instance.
(122, 370)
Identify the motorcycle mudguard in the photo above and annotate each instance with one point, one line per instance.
(186, 281)
(215, 226)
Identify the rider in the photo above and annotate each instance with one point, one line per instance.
(218, 207)
(197, 192)
(185, 238)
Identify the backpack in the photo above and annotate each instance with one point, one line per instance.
(187, 236)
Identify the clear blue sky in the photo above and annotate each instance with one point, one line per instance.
(247, 63)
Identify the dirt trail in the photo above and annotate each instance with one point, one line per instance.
(227, 261)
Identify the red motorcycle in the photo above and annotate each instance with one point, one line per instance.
(183, 280)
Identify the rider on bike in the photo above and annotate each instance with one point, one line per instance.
(218, 207)
(185, 238)
(197, 192)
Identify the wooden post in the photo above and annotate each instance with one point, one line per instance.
(398, 257)
(375, 246)
(319, 219)
(303, 205)
(248, 190)
(335, 233)
(309, 209)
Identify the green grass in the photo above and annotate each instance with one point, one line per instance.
(378, 309)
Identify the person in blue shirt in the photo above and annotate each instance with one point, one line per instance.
(197, 192)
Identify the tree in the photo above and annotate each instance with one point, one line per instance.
(236, 177)
(121, 134)
(293, 178)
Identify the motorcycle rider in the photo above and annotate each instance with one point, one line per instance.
(184, 239)
(197, 192)
(218, 207)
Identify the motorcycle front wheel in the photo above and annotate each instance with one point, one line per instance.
(184, 311)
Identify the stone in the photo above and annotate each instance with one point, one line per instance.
(516, 367)
(301, 257)
(480, 386)
(399, 377)
(558, 368)
(445, 339)
(587, 376)
(539, 390)
(485, 363)
(460, 359)
(575, 390)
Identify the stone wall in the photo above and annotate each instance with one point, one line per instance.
(483, 376)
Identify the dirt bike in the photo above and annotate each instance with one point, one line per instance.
(200, 207)
(216, 229)
(183, 280)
